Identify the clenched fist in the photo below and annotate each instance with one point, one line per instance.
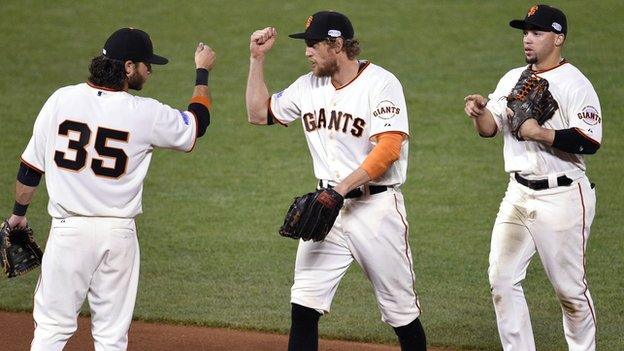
(262, 41)
(204, 56)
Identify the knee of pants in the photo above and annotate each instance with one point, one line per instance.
(571, 299)
(500, 283)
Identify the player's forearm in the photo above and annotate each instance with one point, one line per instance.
(202, 90)
(201, 101)
(24, 193)
(204, 62)
(485, 124)
(352, 181)
(257, 93)
(378, 161)
(28, 179)
(23, 197)
(539, 134)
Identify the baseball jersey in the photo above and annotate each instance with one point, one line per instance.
(340, 124)
(95, 146)
(578, 108)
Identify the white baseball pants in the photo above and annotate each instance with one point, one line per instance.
(372, 230)
(554, 223)
(87, 257)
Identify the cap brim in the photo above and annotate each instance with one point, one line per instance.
(158, 60)
(306, 36)
(524, 24)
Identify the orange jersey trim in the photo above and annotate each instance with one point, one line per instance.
(356, 76)
(375, 137)
(578, 130)
(202, 100)
(583, 248)
(270, 111)
(563, 62)
(406, 252)
(99, 87)
(387, 150)
(196, 132)
(31, 166)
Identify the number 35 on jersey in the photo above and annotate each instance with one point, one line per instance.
(81, 157)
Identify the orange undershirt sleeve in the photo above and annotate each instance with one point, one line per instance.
(383, 155)
(202, 100)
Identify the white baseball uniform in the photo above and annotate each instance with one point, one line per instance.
(339, 126)
(554, 222)
(95, 146)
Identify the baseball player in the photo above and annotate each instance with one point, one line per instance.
(94, 142)
(354, 118)
(549, 204)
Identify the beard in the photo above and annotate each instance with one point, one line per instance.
(135, 82)
(326, 70)
(530, 60)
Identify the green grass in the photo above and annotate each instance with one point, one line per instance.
(210, 250)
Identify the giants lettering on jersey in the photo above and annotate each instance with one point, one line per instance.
(338, 121)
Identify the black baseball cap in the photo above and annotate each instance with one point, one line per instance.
(543, 17)
(326, 24)
(131, 44)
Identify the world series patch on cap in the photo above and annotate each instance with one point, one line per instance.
(543, 17)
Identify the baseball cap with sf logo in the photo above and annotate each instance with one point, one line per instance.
(131, 44)
(326, 24)
(543, 17)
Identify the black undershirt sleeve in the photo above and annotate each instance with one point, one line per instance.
(270, 120)
(575, 142)
(28, 175)
(203, 117)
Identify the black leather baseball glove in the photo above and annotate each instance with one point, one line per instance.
(312, 215)
(19, 252)
(530, 98)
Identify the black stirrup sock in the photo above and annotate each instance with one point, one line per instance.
(303, 329)
(412, 336)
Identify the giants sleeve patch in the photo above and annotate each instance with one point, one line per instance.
(386, 110)
(589, 115)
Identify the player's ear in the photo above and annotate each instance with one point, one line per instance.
(560, 39)
(338, 45)
(130, 67)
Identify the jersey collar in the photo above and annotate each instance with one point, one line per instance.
(100, 88)
(561, 63)
(363, 65)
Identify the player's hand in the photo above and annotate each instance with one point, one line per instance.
(19, 221)
(475, 105)
(262, 41)
(204, 56)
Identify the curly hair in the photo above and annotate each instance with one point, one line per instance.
(350, 46)
(107, 73)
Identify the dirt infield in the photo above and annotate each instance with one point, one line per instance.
(157, 337)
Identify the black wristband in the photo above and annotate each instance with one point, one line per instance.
(201, 76)
(19, 209)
